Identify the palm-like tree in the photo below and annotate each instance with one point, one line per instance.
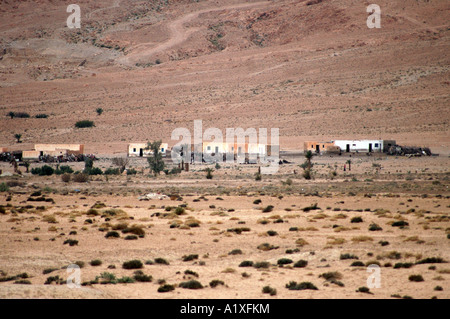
(18, 137)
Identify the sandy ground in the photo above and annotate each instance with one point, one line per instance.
(310, 68)
(30, 243)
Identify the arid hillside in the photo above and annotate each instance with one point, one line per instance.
(313, 69)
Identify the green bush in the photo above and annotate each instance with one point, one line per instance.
(112, 234)
(431, 260)
(112, 171)
(125, 280)
(284, 261)
(191, 284)
(311, 207)
(190, 257)
(71, 242)
(403, 265)
(268, 209)
(356, 220)
(95, 262)
(269, 290)
(141, 277)
(357, 264)
(262, 264)
(347, 256)
(246, 263)
(235, 252)
(41, 116)
(93, 171)
(416, 278)
(363, 290)
(43, 171)
(301, 286)
(84, 124)
(63, 169)
(400, 223)
(214, 283)
(161, 261)
(132, 264)
(136, 230)
(374, 227)
(301, 263)
(166, 288)
(4, 187)
(131, 171)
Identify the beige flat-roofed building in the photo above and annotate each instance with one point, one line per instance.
(59, 149)
(139, 149)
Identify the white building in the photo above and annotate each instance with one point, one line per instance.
(364, 145)
(140, 149)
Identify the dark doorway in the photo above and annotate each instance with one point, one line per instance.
(347, 149)
(370, 147)
(317, 148)
(141, 152)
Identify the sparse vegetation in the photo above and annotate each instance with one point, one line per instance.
(132, 264)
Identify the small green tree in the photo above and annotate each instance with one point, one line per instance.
(258, 176)
(99, 111)
(88, 163)
(209, 173)
(11, 114)
(27, 165)
(307, 165)
(155, 160)
(18, 137)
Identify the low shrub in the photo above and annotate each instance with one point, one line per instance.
(214, 283)
(190, 257)
(191, 284)
(403, 265)
(431, 260)
(80, 178)
(132, 264)
(416, 278)
(166, 288)
(348, 256)
(65, 177)
(357, 264)
(374, 227)
(84, 124)
(161, 261)
(301, 286)
(267, 209)
(356, 220)
(235, 252)
(261, 264)
(112, 171)
(71, 242)
(95, 262)
(112, 234)
(400, 223)
(246, 263)
(301, 263)
(141, 277)
(284, 261)
(363, 290)
(269, 290)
